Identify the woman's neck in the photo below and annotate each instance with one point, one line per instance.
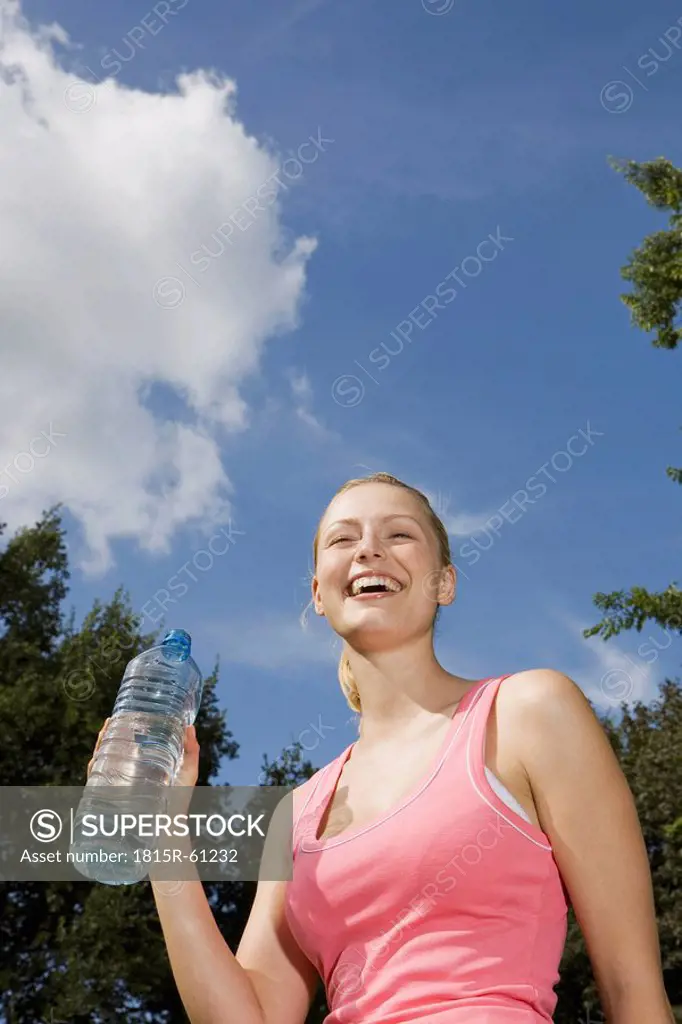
(405, 706)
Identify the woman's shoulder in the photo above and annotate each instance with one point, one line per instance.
(540, 702)
(536, 687)
(536, 716)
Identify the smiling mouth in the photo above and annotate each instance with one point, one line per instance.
(373, 588)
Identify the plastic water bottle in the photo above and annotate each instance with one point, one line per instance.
(142, 746)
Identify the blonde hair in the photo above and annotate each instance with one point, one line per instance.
(346, 679)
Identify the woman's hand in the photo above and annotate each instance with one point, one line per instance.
(189, 765)
(188, 771)
(187, 774)
(99, 740)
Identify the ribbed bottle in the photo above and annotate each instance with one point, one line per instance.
(141, 748)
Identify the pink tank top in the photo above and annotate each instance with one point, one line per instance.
(449, 909)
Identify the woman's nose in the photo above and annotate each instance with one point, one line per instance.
(369, 547)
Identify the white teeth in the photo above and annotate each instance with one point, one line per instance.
(373, 581)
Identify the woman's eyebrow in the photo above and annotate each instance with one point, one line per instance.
(352, 521)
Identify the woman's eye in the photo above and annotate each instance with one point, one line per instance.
(337, 540)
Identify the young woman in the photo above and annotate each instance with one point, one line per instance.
(435, 857)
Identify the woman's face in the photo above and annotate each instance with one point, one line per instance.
(379, 530)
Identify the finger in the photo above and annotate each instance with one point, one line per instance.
(97, 744)
(100, 737)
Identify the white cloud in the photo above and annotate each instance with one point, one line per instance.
(620, 676)
(105, 190)
(275, 641)
(301, 386)
(302, 393)
(457, 524)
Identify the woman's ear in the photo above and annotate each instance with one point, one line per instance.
(440, 585)
(317, 601)
(447, 590)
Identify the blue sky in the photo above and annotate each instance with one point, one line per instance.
(443, 127)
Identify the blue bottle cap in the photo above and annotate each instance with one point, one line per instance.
(178, 634)
(180, 643)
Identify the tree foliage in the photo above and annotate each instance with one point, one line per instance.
(77, 951)
(648, 740)
(654, 269)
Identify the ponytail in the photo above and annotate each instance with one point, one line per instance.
(348, 684)
(347, 679)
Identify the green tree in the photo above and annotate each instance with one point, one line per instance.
(654, 270)
(75, 951)
(647, 740)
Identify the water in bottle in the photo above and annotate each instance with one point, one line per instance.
(142, 747)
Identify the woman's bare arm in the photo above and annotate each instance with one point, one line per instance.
(213, 986)
(269, 981)
(587, 810)
(282, 976)
(284, 979)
